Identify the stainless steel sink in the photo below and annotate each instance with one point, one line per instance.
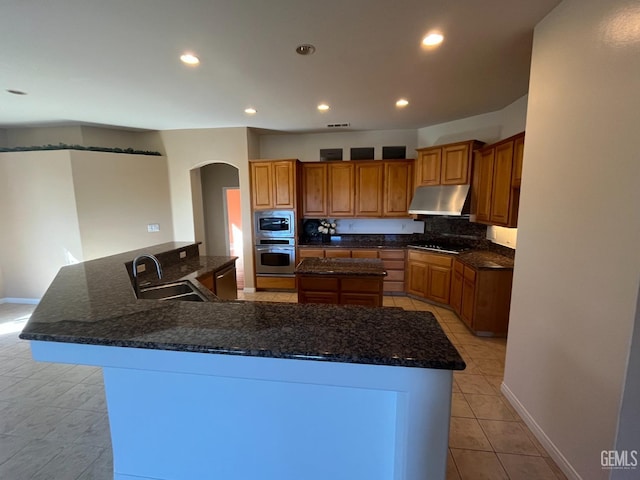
(184, 291)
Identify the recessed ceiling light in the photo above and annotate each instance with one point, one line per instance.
(323, 107)
(403, 102)
(305, 49)
(189, 59)
(250, 111)
(16, 92)
(432, 39)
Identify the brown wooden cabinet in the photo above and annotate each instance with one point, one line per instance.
(341, 196)
(429, 275)
(481, 297)
(392, 259)
(398, 188)
(314, 189)
(496, 182)
(273, 184)
(376, 189)
(448, 164)
(368, 188)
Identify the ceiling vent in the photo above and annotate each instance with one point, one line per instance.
(338, 125)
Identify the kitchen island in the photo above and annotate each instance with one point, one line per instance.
(343, 281)
(239, 390)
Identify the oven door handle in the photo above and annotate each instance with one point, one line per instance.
(272, 248)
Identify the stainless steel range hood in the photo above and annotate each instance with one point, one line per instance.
(440, 200)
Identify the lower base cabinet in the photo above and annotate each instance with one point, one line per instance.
(343, 290)
(482, 297)
(429, 276)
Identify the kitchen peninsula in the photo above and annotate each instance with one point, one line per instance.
(251, 390)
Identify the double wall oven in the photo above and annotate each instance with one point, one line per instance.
(275, 247)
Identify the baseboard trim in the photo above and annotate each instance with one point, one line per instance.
(542, 437)
(26, 301)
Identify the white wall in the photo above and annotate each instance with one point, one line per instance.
(189, 149)
(574, 297)
(40, 231)
(29, 137)
(117, 196)
(3, 137)
(306, 147)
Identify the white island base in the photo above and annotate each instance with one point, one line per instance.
(180, 416)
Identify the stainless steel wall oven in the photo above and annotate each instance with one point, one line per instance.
(275, 256)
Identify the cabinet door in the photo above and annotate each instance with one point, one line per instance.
(314, 189)
(501, 189)
(455, 165)
(518, 154)
(341, 190)
(439, 283)
(467, 311)
(369, 190)
(261, 185)
(428, 167)
(398, 188)
(284, 184)
(456, 287)
(417, 278)
(483, 183)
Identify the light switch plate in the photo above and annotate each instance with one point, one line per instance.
(153, 227)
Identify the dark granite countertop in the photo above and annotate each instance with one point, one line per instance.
(94, 303)
(341, 266)
(483, 259)
(354, 244)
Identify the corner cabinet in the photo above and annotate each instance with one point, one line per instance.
(482, 297)
(273, 184)
(448, 164)
(496, 182)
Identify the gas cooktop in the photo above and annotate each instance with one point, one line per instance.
(440, 247)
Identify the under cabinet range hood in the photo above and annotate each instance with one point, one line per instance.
(440, 200)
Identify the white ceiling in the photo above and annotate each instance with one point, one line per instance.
(115, 62)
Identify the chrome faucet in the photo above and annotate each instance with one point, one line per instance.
(135, 269)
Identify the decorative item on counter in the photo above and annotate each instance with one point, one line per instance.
(326, 229)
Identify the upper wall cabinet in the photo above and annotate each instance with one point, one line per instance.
(273, 184)
(496, 182)
(445, 164)
(376, 188)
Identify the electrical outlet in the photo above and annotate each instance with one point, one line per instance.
(141, 268)
(183, 254)
(153, 227)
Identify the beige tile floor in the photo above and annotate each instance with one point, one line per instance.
(53, 419)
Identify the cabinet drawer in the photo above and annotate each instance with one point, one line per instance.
(392, 254)
(394, 275)
(431, 258)
(393, 286)
(319, 284)
(393, 264)
(361, 284)
(337, 253)
(362, 253)
(469, 274)
(311, 252)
